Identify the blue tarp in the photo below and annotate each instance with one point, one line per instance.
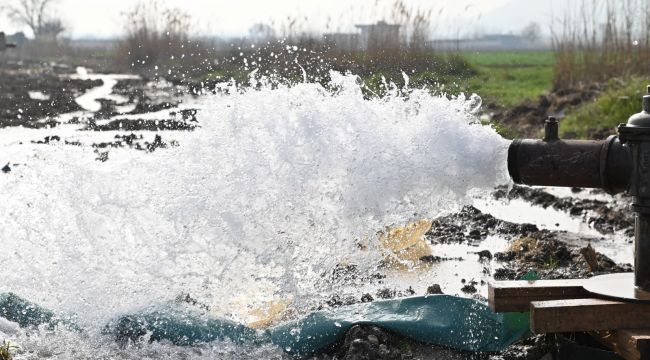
(443, 320)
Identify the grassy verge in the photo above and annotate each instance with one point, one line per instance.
(509, 78)
(621, 99)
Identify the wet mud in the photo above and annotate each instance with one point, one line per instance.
(37, 92)
(606, 217)
(44, 96)
(550, 254)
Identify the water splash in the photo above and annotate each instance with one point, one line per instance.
(279, 186)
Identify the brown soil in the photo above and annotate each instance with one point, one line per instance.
(526, 119)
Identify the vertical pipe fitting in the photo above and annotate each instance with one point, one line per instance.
(551, 129)
(642, 251)
(635, 135)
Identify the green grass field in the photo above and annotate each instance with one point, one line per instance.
(509, 78)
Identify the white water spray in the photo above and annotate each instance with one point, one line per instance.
(277, 188)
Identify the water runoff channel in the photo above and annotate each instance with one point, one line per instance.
(253, 214)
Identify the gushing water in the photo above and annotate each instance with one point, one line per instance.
(279, 186)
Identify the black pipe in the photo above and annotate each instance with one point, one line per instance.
(642, 251)
(605, 164)
(617, 164)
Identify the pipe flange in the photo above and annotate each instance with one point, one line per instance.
(616, 287)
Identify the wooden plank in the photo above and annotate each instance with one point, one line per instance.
(630, 344)
(633, 344)
(506, 296)
(606, 338)
(586, 315)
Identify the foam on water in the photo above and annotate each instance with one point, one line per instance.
(279, 186)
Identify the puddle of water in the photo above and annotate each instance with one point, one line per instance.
(615, 246)
(520, 211)
(449, 273)
(38, 95)
(70, 131)
(89, 102)
(586, 194)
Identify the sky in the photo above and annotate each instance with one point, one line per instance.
(227, 18)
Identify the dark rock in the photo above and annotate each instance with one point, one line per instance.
(336, 301)
(156, 144)
(6, 168)
(101, 155)
(434, 289)
(386, 293)
(436, 259)
(505, 274)
(366, 343)
(484, 255)
(505, 256)
(468, 289)
(48, 139)
(141, 125)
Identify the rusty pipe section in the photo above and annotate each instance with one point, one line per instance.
(605, 164)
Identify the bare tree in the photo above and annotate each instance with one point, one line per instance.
(35, 14)
(532, 32)
(261, 31)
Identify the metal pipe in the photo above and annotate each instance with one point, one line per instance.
(642, 251)
(603, 164)
(617, 164)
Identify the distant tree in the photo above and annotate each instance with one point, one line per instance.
(36, 14)
(52, 28)
(532, 32)
(261, 31)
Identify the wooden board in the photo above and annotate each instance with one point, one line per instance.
(507, 296)
(630, 344)
(634, 344)
(587, 314)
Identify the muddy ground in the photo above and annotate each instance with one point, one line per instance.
(57, 92)
(551, 254)
(17, 80)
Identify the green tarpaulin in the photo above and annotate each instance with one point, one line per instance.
(444, 320)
